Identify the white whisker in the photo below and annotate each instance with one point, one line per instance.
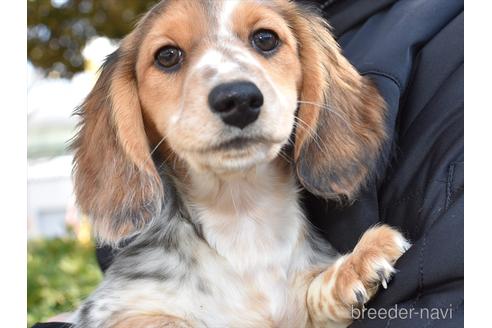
(154, 149)
(331, 110)
(316, 137)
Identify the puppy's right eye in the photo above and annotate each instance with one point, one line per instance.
(169, 58)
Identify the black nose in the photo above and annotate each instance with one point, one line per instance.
(237, 103)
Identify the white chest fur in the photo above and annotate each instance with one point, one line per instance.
(254, 221)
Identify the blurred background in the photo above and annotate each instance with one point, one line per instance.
(67, 40)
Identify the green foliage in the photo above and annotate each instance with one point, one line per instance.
(59, 29)
(60, 273)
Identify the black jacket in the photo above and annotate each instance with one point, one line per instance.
(413, 50)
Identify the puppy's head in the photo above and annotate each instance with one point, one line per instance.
(221, 85)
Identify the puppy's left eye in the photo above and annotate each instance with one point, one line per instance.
(265, 41)
(168, 57)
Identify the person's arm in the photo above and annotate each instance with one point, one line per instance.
(413, 50)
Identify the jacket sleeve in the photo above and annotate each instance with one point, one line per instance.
(424, 189)
(413, 50)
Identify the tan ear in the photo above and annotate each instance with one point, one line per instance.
(116, 181)
(341, 116)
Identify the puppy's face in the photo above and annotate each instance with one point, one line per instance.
(219, 81)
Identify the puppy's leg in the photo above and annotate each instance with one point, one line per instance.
(335, 294)
(151, 321)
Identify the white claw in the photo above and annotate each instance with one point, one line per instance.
(403, 243)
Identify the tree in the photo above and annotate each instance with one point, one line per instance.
(58, 30)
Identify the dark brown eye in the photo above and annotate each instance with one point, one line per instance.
(265, 41)
(169, 57)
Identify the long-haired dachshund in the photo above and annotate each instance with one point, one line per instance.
(194, 144)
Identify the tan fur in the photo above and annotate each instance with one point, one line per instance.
(115, 180)
(341, 116)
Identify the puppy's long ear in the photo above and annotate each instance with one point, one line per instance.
(116, 182)
(341, 116)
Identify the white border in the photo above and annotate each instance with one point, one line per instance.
(478, 127)
(478, 166)
(13, 176)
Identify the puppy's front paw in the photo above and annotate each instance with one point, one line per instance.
(355, 278)
(370, 265)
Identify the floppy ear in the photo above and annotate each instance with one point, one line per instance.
(116, 181)
(340, 126)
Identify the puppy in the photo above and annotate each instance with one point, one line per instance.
(194, 144)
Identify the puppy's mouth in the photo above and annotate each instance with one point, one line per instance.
(238, 153)
(239, 143)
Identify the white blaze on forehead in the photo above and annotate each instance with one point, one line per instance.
(215, 59)
(225, 17)
(211, 58)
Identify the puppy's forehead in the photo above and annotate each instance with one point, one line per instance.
(225, 12)
(215, 17)
(214, 34)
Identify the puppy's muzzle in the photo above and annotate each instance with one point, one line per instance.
(237, 103)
